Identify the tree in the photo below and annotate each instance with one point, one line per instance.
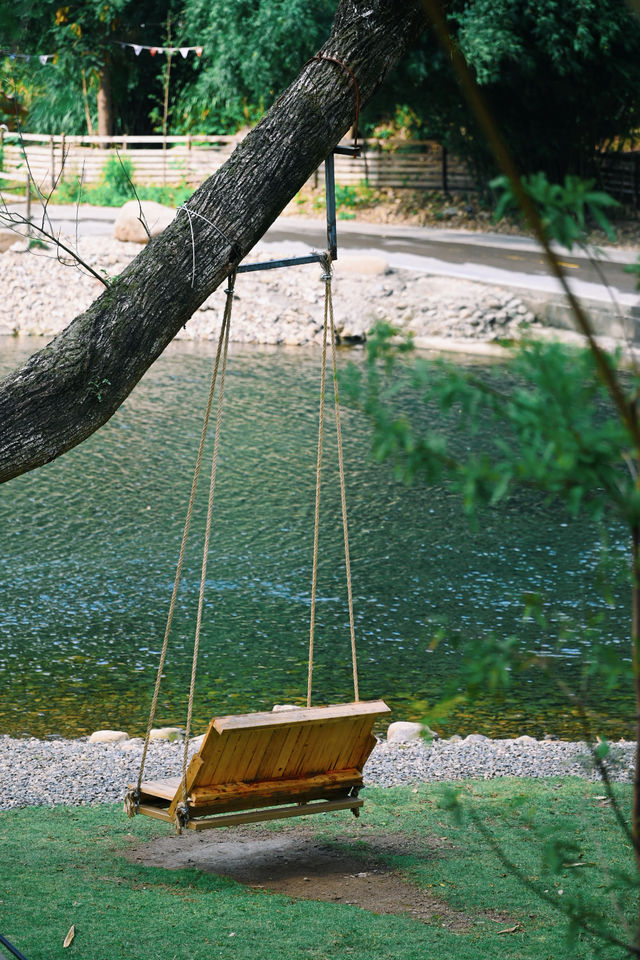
(51, 404)
(256, 52)
(562, 77)
(90, 76)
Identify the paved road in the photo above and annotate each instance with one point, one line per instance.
(489, 258)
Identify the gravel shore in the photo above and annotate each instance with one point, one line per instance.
(41, 296)
(76, 772)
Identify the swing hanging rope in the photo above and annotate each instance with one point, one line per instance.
(223, 343)
(329, 325)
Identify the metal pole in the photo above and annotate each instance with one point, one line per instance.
(330, 202)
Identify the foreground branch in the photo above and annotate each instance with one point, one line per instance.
(49, 405)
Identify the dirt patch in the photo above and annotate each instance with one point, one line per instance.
(296, 864)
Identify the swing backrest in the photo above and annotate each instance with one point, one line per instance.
(263, 758)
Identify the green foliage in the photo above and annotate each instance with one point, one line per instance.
(248, 63)
(565, 208)
(561, 78)
(115, 187)
(556, 431)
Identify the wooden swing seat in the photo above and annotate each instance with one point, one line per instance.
(267, 766)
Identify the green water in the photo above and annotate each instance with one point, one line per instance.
(90, 542)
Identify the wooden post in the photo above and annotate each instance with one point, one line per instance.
(445, 179)
(62, 156)
(188, 171)
(124, 142)
(52, 160)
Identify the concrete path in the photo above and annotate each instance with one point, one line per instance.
(498, 259)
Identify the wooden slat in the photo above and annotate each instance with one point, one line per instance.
(305, 760)
(301, 715)
(156, 812)
(230, 761)
(282, 813)
(159, 788)
(267, 793)
(355, 737)
(292, 740)
(255, 752)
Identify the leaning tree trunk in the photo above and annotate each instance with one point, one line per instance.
(51, 403)
(105, 103)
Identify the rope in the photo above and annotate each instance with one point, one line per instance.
(131, 802)
(226, 322)
(343, 500)
(329, 322)
(316, 527)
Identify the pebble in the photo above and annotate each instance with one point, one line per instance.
(41, 296)
(78, 773)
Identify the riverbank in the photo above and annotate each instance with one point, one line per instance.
(76, 772)
(41, 296)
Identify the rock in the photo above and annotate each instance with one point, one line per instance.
(476, 738)
(449, 212)
(526, 741)
(7, 239)
(167, 733)
(402, 731)
(196, 743)
(368, 266)
(108, 736)
(282, 707)
(128, 226)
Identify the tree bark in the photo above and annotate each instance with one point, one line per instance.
(76, 383)
(105, 104)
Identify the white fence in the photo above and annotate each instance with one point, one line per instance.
(416, 165)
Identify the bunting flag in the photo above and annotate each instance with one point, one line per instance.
(184, 51)
(42, 57)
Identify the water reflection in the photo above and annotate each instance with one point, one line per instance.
(89, 545)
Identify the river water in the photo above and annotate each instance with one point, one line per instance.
(90, 543)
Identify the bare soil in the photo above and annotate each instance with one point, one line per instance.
(295, 863)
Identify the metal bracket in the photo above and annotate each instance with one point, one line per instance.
(332, 232)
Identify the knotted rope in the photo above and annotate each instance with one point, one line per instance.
(329, 324)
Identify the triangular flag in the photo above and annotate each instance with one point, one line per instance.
(137, 48)
(153, 51)
(198, 51)
(160, 49)
(185, 51)
(43, 58)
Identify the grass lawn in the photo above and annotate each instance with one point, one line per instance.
(452, 896)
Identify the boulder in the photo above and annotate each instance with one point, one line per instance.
(403, 731)
(361, 266)
(7, 239)
(108, 736)
(128, 227)
(167, 733)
